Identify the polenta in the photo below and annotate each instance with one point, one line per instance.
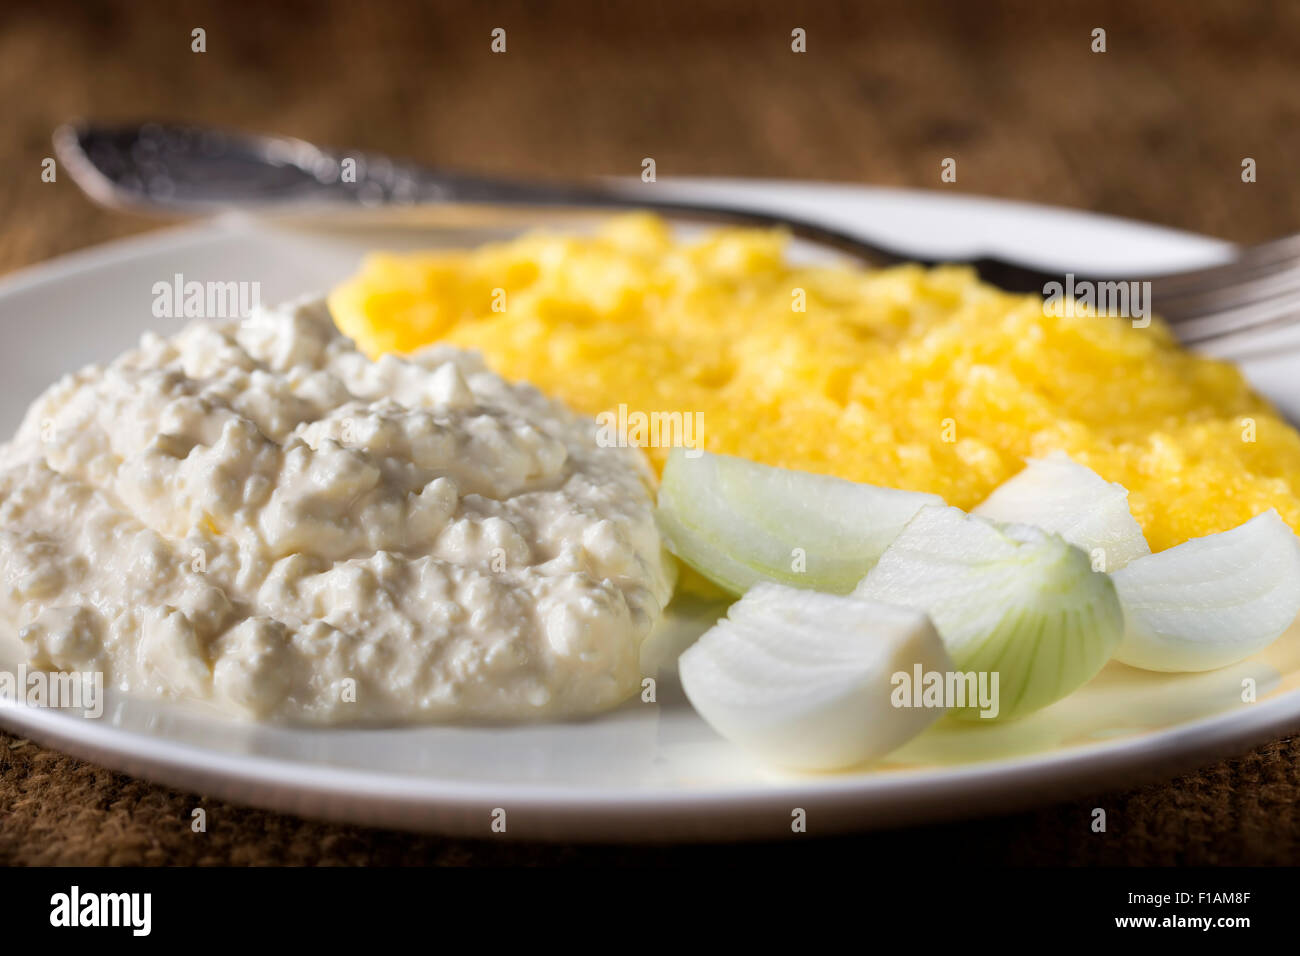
(923, 379)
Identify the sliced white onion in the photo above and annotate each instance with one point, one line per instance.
(806, 680)
(1061, 496)
(1009, 600)
(1211, 601)
(738, 522)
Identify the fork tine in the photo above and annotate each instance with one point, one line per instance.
(1246, 292)
(1231, 323)
(1252, 261)
(1238, 271)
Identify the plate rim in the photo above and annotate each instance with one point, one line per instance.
(385, 798)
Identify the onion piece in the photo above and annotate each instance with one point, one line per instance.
(1061, 496)
(1009, 600)
(738, 522)
(805, 680)
(1210, 601)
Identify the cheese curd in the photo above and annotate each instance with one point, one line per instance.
(257, 515)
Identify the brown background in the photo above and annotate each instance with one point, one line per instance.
(1155, 129)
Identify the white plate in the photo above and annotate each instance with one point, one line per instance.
(646, 771)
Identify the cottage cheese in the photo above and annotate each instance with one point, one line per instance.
(257, 515)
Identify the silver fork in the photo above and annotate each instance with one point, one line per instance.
(163, 169)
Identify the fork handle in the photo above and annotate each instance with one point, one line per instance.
(173, 169)
(405, 183)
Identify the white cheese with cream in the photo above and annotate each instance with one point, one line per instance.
(256, 515)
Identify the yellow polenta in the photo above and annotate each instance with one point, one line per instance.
(924, 379)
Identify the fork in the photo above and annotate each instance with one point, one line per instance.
(169, 169)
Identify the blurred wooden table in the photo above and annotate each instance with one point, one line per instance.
(1155, 128)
